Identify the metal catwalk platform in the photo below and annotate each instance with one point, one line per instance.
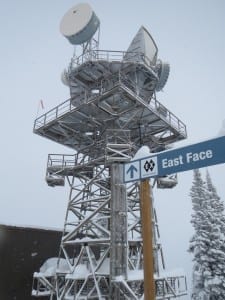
(107, 98)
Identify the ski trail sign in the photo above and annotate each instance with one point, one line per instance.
(195, 156)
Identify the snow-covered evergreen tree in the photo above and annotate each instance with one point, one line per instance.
(208, 241)
(198, 242)
(215, 281)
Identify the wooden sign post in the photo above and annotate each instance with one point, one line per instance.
(147, 235)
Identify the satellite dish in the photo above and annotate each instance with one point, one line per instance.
(163, 73)
(79, 24)
(142, 43)
(64, 78)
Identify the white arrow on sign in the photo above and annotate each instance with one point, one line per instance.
(132, 171)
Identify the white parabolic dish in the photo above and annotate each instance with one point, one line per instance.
(79, 24)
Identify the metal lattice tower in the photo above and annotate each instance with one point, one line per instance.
(112, 112)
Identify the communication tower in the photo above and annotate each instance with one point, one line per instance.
(112, 112)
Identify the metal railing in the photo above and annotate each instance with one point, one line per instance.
(171, 287)
(154, 105)
(54, 114)
(107, 55)
(63, 161)
(58, 163)
(157, 107)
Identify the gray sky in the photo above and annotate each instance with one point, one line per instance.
(190, 35)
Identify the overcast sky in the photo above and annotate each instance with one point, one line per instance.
(190, 35)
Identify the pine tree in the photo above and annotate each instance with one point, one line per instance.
(198, 243)
(207, 243)
(215, 279)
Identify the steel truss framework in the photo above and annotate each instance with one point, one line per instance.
(101, 266)
(112, 112)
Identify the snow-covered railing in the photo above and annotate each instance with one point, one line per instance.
(62, 160)
(107, 55)
(154, 105)
(53, 114)
(67, 161)
(61, 165)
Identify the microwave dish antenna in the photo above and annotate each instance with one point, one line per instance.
(79, 24)
(163, 74)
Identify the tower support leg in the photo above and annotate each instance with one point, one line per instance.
(118, 229)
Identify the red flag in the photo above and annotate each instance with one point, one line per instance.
(42, 104)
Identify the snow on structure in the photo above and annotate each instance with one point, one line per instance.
(113, 111)
(222, 129)
(207, 243)
(52, 265)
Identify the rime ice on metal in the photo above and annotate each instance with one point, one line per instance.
(111, 113)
